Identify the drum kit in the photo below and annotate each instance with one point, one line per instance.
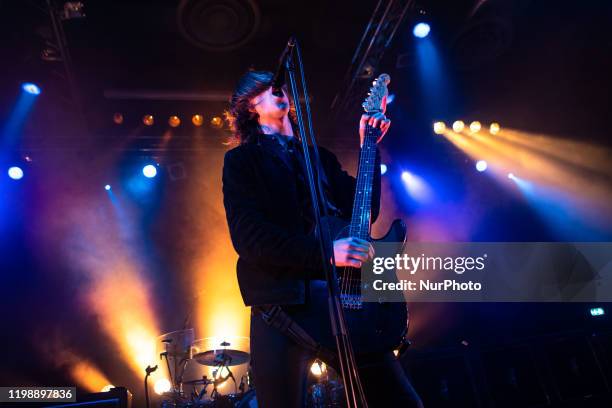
(216, 373)
(185, 357)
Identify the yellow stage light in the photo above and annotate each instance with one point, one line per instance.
(197, 120)
(439, 128)
(216, 122)
(148, 120)
(85, 373)
(494, 128)
(118, 118)
(174, 121)
(162, 385)
(107, 388)
(318, 367)
(129, 319)
(458, 126)
(475, 126)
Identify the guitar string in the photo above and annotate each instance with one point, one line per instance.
(366, 200)
(353, 230)
(345, 277)
(360, 225)
(355, 224)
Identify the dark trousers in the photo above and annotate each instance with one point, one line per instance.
(280, 369)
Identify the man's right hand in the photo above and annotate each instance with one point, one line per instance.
(352, 252)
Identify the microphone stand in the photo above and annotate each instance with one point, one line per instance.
(353, 388)
(148, 372)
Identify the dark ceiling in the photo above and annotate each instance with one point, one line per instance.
(501, 56)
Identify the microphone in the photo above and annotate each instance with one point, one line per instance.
(279, 77)
(150, 369)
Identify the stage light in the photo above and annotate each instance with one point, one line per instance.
(597, 311)
(84, 372)
(439, 127)
(421, 30)
(216, 122)
(494, 128)
(458, 126)
(383, 168)
(481, 165)
(149, 171)
(16, 173)
(197, 120)
(107, 388)
(318, 367)
(118, 118)
(31, 88)
(416, 187)
(148, 120)
(475, 126)
(107, 187)
(174, 121)
(161, 386)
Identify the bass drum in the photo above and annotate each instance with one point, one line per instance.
(248, 400)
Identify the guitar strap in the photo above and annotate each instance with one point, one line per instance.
(275, 316)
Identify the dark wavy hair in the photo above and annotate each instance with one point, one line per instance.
(242, 120)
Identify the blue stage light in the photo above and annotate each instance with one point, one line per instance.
(417, 188)
(16, 173)
(421, 30)
(149, 171)
(481, 165)
(383, 168)
(597, 311)
(107, 187)
(31, 88)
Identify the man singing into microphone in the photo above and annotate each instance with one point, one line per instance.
(270, 220)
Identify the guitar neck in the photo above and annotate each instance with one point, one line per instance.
(362, 204)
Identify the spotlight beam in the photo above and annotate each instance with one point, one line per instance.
(111, 264)
(580, 154)
(589, 196)
(17, 118)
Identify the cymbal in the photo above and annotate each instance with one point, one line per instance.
(227, 357)
(176, 343)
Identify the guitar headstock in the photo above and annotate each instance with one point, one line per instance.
(377, 97)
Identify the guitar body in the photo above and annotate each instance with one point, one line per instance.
(374, 327)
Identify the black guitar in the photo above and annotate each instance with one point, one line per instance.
(372, 326)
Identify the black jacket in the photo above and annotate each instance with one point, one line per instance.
(276, 256)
